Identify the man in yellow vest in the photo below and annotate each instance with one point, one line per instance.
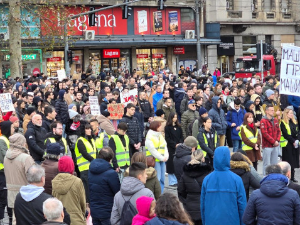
(102, 137)
(119, 143)
(7, 129)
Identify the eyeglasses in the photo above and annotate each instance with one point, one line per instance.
(193, 105)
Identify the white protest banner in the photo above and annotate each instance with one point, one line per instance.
(61, 74)
(128, 96)
(6, 103)
(94, 105)
(290, 71)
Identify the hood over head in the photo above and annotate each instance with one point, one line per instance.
(183, 150)
(222, 159)
(143, 205)
(248, 104)
(214, 101)
(30, 192)
(66, 165)
(6, 128)
(254, 97)
(99, 166)
(274, 185)
(151, 173)
(131, 185)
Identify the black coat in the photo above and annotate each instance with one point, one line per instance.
(181, 158)
(103, 106)
(35, 138)
(295, 187)
(147, 109)
(61, 108)
(140, 117)
(46, 124)
(189, 188)
(173, 136)
(290, 154)
(31, 213)
(242, 169)
(134, 133)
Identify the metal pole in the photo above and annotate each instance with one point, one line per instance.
(198, 35)
(67, 66)
(262, 61)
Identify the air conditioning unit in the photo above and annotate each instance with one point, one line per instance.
(89, 35)
(190, 34)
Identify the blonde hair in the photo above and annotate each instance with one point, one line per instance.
(197, 157)
(285, 117)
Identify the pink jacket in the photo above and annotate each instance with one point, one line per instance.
(143, 205)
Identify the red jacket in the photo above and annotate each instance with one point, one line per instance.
(270, 132)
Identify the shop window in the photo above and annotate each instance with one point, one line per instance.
(249, 45)
(268, 5)
(158, 59)
(76, 66)
(143, 57)
(56, 62)
(187, 20)
(124, 61)
(95, 61)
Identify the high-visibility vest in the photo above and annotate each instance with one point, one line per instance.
(122, 152)
(283, 141)
(52, 140)
(99, 141)
(206, 142)
(82, 163)
(7, 143)
(158, 144)
(250, 136)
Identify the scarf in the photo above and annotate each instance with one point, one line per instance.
(251, 125)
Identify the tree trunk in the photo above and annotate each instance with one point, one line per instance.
(15, 48)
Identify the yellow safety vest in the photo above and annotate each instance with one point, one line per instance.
(99, 141)
(122, 153)
(283, 141)
(158, 144)
(82, 163)
(250, 136)
(206, 142)
(7, 143)
(52, 140)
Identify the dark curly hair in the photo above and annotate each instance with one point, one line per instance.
(169, 207)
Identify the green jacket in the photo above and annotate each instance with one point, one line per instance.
(187, 118)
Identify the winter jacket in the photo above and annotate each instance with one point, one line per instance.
(103, 106)
(178, 96)
(294, 101)
(156, 98)
(242, 169)
(218, 117)
(167, 110)
(143, 205)
(70, 191)
(134, 133)
(104, 183)
(28, 208)
(21, 114)
(162, 221)
(271, 102)
(35, 138)
(140, 117)
(184, 104)
(273, 203)
(150, 146)
(210, 136)
(227, 189)
(291, 185)
(236, 117)
(258, 111)
(146, 108)
(181, 158)
(46, 124)
(131, 188)
(189, 188)
(51, 170)
(270, 132)
(187, 120)
(61, 108)
(16, 163)
(53, 223)
(106, 124)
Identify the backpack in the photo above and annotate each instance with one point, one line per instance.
(128, 212)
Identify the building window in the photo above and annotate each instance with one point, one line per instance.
(268, 5)
(249, 45)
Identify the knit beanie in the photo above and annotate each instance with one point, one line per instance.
(72, 113)
(269, 92)
(191, 142)
(61, 94)
(202, 111)
(71, 106)
(13, 119)
(66, 165)
(54, 149)
(85, 108)
(160, 112)
(30, 110)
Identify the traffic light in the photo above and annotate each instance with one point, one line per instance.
(70, 56)
(92, 17)
(160, 4)
(126, 10)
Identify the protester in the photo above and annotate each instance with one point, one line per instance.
(286, 170)
(146, 210)
(53, 210)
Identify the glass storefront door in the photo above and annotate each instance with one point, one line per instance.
(110, 65)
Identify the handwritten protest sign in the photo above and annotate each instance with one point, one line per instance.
(94, 104)
(128, 96)
(61, 74)
(290, 71)
(6, 103)
(116, 111)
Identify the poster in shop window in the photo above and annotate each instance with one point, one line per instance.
(173, 21)
(128, 96)
(94, 104)
(157, 21)
(6, 103)
(142, 21)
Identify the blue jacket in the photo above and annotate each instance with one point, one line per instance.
(178, 96)
(156, 98)
(217, 116)
(235, 117)
(294, 101)
(104, 184)
(162, 221)
(223, 197)
(273, 203)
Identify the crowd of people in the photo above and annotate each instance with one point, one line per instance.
(60, 164)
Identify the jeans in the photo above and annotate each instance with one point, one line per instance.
(237, 144)
(172, 179)
(101, 221)
(270, 157)
(84, 177)
(160, 168)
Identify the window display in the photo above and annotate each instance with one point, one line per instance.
(55, 63)
(150, 58)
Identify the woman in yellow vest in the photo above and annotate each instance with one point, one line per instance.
(289, 140)
(208, 139)
(250, 139)
(157, 147)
